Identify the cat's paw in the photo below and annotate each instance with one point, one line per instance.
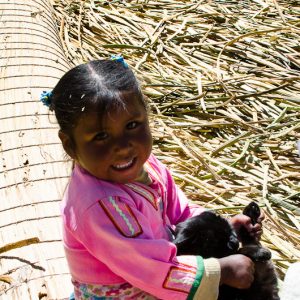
(256, 253)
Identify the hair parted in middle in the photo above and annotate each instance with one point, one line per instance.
(96, 85)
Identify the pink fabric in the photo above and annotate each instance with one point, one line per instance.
(116, 233)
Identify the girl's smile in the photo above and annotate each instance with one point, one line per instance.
(124, 166)
(114, 146)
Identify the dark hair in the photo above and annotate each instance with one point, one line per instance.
(95, 85)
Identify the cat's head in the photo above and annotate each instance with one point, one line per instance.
(207, 235)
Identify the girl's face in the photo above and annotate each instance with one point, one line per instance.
(115, 146)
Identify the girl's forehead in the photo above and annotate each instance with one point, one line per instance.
(98, 119)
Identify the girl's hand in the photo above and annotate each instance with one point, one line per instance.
(241, 220)
(237, 271)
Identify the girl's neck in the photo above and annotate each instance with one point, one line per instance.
(144, 177)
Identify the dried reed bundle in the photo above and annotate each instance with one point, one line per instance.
(222, 79)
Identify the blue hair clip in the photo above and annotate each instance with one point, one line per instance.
(119, 58)
(46, 98)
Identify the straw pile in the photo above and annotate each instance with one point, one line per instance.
(222, 80)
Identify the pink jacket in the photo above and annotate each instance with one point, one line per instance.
(116, 233)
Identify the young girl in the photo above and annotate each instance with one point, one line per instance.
(121, 202)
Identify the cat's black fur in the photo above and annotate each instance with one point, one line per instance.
(210, 235)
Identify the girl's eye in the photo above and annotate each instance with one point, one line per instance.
(132, 125)
(100, 136)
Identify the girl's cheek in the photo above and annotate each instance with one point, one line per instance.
(144, 135)
(98, 151)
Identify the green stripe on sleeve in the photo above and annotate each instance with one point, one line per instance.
(198, 278)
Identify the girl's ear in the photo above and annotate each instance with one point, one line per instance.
(67, 143)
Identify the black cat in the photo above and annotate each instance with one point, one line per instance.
(210, 235)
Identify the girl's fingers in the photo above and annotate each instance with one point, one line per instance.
(239, 221)
(256, 233)
(257, 227)
(261, 217)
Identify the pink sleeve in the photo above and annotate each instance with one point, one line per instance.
(179, 208)
(120, 236)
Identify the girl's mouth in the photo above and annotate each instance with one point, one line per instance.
(125, 165)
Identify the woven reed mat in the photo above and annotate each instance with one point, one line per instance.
(32, 164)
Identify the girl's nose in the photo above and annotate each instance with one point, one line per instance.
(123, 144)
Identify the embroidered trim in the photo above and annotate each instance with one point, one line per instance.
(187, 261)
(198, 278)
(121, 216)
(180, 279)
(124, 291)
(163, 192)
(145, 193)
(155, 174)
